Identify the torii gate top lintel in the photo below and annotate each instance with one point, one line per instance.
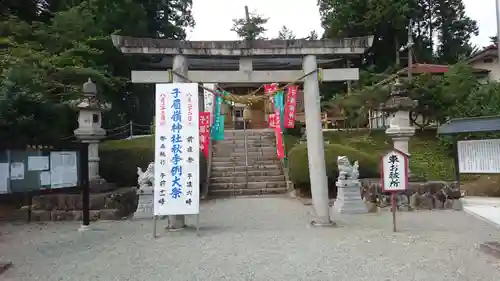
(299, 47)
(243, 51)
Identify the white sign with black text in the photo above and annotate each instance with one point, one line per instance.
(394, 165)
(479, 156)
(209, 100)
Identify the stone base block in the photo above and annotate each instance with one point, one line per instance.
(145, 204)
(349, 199)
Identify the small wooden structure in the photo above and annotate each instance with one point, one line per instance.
(454, 127)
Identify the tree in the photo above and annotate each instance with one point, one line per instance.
(47, 55)
(312, 35)
(385, 19)
(494, 39)
(456, 30)
(388, 21)
(286, 34)
(250, 30)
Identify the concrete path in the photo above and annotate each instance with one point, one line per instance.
(257, 239)
(485, 208)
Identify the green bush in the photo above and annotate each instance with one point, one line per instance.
(296, 131)
(299, 164)
(120, 159)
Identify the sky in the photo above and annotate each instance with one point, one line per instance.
(214, 18)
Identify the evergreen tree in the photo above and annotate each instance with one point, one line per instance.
(313, 35)
(286, 34)
(252, 29)
(455, 30)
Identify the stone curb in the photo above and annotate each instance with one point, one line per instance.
(491, 248)
(472, 213)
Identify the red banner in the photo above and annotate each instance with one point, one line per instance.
(290, 106)
(279, 136)
(271, 89)
(204, 125)
(271, 121)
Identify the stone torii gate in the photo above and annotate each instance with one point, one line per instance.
(310, 51)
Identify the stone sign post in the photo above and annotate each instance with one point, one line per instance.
(90, 131)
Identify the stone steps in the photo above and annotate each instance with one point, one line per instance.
(243, 179)
(243, 168)
(245, 192)
(242, 162)
(241, 158)
(249, 137)
(241, 173)
(241, 144)
(230, 175)
(249, 132)
(240, 151)
(250, 185)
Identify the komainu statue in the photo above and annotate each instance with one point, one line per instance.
(346, 170)
(147, 177)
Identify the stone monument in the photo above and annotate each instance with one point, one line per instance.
(349, 199)
(89, 131)
(145, 192)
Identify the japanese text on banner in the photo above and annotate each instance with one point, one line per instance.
(271, 119)
(270, 91)
(218, 125)
(290, 107)
(204, 132)
(279, 107)
(177, 143)
(279, 136)
(209, 99)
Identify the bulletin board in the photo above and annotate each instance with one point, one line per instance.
(34, 170)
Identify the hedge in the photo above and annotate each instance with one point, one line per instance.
(299, 164)
(120, 159)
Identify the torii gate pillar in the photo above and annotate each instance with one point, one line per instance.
(315, 143)
(181, 66)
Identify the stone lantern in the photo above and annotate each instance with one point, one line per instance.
(90, 129)
(398, 107)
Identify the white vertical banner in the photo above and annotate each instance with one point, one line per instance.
(177, 145)
(209, 100)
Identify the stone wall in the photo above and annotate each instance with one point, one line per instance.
(113, 205)
(420, 195)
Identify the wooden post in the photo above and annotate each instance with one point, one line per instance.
(394, 206)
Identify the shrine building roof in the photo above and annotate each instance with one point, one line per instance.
(470, 125)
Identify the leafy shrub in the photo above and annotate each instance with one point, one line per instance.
(120, 159)
(299, 164)
(296, 131)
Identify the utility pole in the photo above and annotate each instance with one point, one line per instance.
(247, 14)
(349, 82)
(248, 27)
(498, 29)
(410, 49)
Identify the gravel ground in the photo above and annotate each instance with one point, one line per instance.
(256, 239)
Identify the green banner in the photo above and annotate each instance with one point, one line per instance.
(218, 125)
(226, 101)
(279, 99)
(218, 128)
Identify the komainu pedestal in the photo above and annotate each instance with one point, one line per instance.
(145, 193)
(349, 199)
